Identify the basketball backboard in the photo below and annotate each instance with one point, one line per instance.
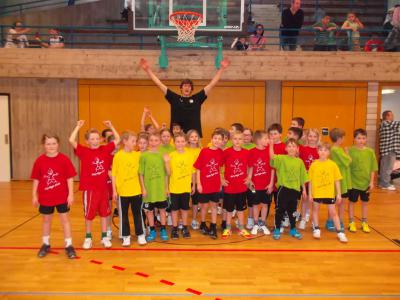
(220, 17)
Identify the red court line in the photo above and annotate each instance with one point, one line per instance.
(53, 252)
(77, 257)
(142, 274)
(118, 268)
(224, 250)
(167, 282)
(198, 293)
(96, 262)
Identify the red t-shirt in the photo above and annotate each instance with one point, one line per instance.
(109, 180)
(280, 148)
(308, 155)
(209, 163)
(95, 164)
(52, 173)
(236, 163)
(259, 160)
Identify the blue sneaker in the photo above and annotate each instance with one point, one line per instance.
(329, 225)
(152, 236)
(277, 234)
(294, 233)
(164, 234)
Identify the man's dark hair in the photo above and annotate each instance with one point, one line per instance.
(186, 81)
(360, 131)
(300, 121)
(238, 126)
(297, 131)
(385, 114)
(275, 126)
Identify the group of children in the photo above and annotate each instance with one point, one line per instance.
(157, 173)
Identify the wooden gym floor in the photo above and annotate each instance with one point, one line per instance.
(368, 267)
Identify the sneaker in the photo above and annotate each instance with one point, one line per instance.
(352, 227)
(152, 236)
(195, 225)
(277, 234)
(389, 188)
(174, 234)
(281, 230)
(213, 232)
(180, 226)
(285, 222)
(316, 234)
(254, 231)
(204, 229)
(186, 233)
(244, 233)
(70, 251)
(302, 224)
(342, 237)
(141, 240)
(219, 210)
(329, 225)
(43, 250)
(250, 223)
(265, 230)
(164, 234)
(109, 234)
(87, 243)
(227, 232)
(106, 242)
(126, 241)
(365, 227)
(294, 233)
(297, 215)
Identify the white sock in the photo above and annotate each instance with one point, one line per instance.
(46, 240)
(109, 229)
(68, 242)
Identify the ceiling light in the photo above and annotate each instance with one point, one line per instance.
(388, 91)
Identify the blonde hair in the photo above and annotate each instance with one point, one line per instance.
(90, 131)
(190, 132)
(324, 145)
(127, 134)
(312, 130)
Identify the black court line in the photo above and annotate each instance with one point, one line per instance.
(18, 226)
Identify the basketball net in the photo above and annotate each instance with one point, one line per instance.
(186, 22)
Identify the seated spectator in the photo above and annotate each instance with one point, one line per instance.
(354, 24)
(392, 42)
(16, 37)
(374, 44)
(257, 40)
(240, 44)
(325, 35)
(55, 39)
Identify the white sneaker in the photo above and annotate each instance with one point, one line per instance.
(285, 222)
(254, 231)
(219, 210)
(87, 244)
(316, 234)
(169, 220)
(302, 224)
(281, 230)
(141, 239)
(342, 237)
(195, 225)
(106, 242)
(389, 188)
(126, 241)
(265, 230)
(109, 234)
(250, 223)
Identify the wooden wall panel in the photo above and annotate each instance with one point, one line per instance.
(39, 106)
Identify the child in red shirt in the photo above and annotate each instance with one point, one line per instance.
(95, 160)
(235, 182)
(208, 180)
(52, 176)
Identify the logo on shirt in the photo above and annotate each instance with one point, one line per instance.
(212, 168)
(309, 160)
(51, 182)
(237, 168)
(260, 167)
(324, 179)
(182, 171)
(99, 168)
(154, 172)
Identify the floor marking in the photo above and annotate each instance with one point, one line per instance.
(96, 262)
(198, 293)
(167, 282)
(142, 274)
(118, 268)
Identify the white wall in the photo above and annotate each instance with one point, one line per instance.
(392, 102)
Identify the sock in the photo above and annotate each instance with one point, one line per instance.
(162, 227)
(250, 220)
(46, 239)
(103, 235)
(261, 223)
(152, 228)
(109, 228)
(364, 220)
(68, 242)
(88, 235)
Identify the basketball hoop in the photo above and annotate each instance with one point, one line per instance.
(186, 22)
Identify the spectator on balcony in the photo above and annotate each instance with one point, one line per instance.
(387, 24)
(374, 44)
(258, 40)
(240, 44)
(392, 42)
(55, 39)
(16, 37)
(325, 35)
(292, 21)
(354, 24)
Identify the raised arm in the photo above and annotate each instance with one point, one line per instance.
(153, 120)
(143, 120)
(145, 66)
(117, 138)
(74, 134)
(224, 64)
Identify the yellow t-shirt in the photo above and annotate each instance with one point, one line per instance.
(194, 151)
(181, 165)
(125, 169)
(322, 175)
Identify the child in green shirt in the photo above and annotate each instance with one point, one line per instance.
(362, 169)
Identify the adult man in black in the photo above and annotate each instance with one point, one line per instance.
(292, 18)
(185, 108)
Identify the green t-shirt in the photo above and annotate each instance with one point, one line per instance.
(299, 142)
(151, 166)
(362, 165)
(248, 146)
(325, 37)
(343, 161)
(290, 171)
(164, 149)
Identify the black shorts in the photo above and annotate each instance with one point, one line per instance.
(345, 195)
(250, 196)
(150, 206)
(49, 210)
(235, 201)
(205, 198)
(180, 201)
(325, 200)
(195, 198)
(354, 194)
(262, 197)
